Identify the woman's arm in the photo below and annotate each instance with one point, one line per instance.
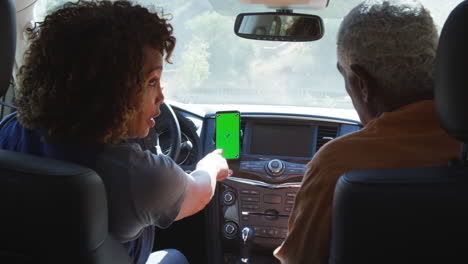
(201, 183)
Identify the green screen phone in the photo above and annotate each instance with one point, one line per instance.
(228, 133)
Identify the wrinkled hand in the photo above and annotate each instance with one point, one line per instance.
(214, 161)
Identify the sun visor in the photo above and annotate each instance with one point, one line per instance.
(451, 93)
(234, 7)
(24, 4)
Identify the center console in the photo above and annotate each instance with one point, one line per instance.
(260, 196)
(261, 205)
(249, 216)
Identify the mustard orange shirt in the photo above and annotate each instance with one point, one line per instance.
(407, 137)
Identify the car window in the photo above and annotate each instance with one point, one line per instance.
(211, 65)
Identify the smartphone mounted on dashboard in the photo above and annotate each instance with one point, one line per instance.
(227, 136)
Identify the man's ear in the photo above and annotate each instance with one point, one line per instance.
(364, 82)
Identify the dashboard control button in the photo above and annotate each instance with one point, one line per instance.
(275, 164)
(291, 195)
(250, 192)
(230, 229)
(290, 202)
(277, 233)
(250, 199)
(271, 232)
(283, 232)
(272, 198)
(250, 206)
(245, 192)
(275, 167)
(288, 209)
(254, 192)
(229, 198)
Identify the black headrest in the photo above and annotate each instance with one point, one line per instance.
(451, 74)
(53, 212)
(7, 43)
(411, 215)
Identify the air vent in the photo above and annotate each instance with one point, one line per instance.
(242, 132)
(325, 134)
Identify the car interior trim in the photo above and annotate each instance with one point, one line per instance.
(264, 184)
(293, 117)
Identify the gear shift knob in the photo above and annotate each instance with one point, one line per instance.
(246, 232)
(247, 237)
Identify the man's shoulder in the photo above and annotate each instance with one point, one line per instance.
(337, 156)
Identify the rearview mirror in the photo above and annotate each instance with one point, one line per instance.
(279, 26)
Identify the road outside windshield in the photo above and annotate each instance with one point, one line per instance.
(211, 65)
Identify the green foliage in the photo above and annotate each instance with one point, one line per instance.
(236, 58)
(195, 65)
(213, 65)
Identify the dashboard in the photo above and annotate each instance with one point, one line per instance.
(275, 148)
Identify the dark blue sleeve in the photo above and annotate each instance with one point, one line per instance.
(140, 249)
(15, 137)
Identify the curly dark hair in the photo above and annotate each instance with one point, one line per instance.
(82, 78)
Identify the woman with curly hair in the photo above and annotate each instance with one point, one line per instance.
(91, 80)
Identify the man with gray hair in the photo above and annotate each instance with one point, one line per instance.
(386, 52)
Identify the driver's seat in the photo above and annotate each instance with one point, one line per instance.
(52, 211)
(415, 215)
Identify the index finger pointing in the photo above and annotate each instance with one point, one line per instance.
(218, 151)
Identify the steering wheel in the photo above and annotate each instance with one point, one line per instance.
(166, 122)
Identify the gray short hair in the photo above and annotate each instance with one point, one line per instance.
(395, 41)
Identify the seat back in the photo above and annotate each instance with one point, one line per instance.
(414, 215)
(51, 211)
(451, 74)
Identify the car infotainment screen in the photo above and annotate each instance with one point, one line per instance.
(281, 140)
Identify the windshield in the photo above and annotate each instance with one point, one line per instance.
(211, 65)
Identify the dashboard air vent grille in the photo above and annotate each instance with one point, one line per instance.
(325, 134)
(242, 128)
